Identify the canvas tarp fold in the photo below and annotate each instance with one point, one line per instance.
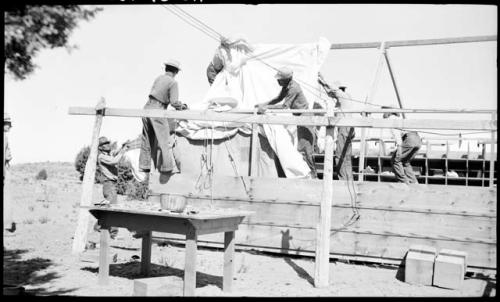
(248, 79)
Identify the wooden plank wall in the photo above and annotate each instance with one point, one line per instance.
(393, 216)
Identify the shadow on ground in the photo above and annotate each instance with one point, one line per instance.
(302, 273)
(25, 272)
(491, 284)
(131, 270)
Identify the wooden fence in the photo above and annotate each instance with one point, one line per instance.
(393, 216)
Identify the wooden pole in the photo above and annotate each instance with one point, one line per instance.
(321, 268)
(228, 273)
(307, 120)
(492, 150)
(369, 96)
(104, 259)
(189, 287)
(440, 41)
(146, 253)
(254, 159)
(393, 79)
(80, 237)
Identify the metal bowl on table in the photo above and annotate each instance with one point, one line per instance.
(173, 202)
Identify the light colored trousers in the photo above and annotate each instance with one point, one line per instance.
(8, 208)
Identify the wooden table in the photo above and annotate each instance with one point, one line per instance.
(191, 225)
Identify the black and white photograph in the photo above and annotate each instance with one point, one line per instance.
(198, 149)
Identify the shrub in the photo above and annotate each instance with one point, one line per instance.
(28, 221)
(136, 190)
(81, 161)
(128, 185)
(42, 175)
(43, 219)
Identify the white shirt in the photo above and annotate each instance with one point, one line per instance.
(396, 133)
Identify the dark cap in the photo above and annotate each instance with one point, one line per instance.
(103, 140)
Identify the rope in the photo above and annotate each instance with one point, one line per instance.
(209, 31)
(208, 28)
(200, 186)
(203, 30)
(231, 160)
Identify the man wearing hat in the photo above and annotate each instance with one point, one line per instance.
(156, 143)
(292, 97)
(345, 135)
(9, 221)
(407, 145)
(107, 164)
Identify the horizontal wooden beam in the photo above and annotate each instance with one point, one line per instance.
(361, 122)
(400, 43)
(323, 111)
(480, 140)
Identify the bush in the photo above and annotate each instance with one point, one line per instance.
(42, 175)
(81, 161)
(126, 183)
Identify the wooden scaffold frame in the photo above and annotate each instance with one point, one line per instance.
(321, 276)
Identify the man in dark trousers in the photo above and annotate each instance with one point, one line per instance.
(345, 135)
(9, 219)
(156, 143)
(407, 145)
(292, 97)
(107, 163)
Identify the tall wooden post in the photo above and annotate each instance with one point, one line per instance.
(492, 150)
(321, 268)
(254, 159)
(369, 96)
(80, 238)
(394, 83)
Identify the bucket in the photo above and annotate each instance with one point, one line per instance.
(173, 202)
(154, 198)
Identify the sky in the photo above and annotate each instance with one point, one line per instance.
(121, 52)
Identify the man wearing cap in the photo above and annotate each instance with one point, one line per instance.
(156, 143)
(345, 135)
(407, 145)
(292, 97)
(9, 221)
(107, 163)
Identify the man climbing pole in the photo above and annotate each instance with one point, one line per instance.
(345, 135)
(156, 143)
(293, 98)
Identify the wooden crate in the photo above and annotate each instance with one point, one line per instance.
(419, 265)
(450, 268)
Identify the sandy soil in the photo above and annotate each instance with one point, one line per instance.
(38, 256)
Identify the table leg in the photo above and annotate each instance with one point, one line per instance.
(227, 283)
(190, 263)
(146, 253)
(104, 257)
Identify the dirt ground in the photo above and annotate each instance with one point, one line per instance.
(38, 256)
